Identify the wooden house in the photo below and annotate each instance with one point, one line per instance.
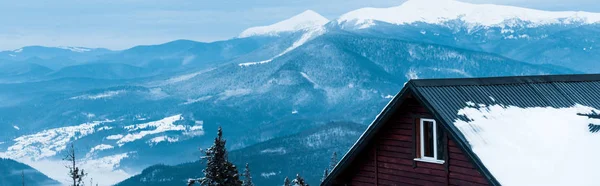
(527, 130)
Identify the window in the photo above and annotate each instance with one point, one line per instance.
(428, 142)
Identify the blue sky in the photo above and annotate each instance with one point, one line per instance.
(120, 24)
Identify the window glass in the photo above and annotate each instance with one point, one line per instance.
(428, 139)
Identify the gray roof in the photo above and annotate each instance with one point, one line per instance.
(445, 97)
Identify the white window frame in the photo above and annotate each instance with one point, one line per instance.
(422, 156)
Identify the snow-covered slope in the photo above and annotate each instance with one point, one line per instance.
(442, 11)
(307, 20)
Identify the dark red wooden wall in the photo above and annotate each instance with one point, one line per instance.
(388, 159)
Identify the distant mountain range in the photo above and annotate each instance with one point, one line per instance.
(130, 109)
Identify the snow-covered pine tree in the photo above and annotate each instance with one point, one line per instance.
(333, 162)
(325, 174)
(74, 172)
(286, 182)
(219, 171)
(299, 181)
(247, 177)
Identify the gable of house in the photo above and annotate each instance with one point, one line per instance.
(512, 130)
(389, 157)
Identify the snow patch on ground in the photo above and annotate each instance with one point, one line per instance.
(315, 85)
(156, 127)
(101, 147)
(104, 95)
(279, 150)
(536, 145)
(256, 63)
(114, 137)
(267, 174)
(16, 127)
(190, 101)
(157, 140)
(48, 142)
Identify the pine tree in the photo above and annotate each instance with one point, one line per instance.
(23, 177)
(219, 171)
(299, 181)
(333, 162)
(247, 177)
(75, 173)
(325, 175)
(286, 182)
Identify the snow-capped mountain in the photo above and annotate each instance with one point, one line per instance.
(473, 15)
(305, 21)
(559, 38)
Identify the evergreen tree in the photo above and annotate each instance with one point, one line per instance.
(325, 175)
(219, 171)
(299, 181)
(286, 182)
(23, 177)
(75, 173)
(333, 162)
(247, 177)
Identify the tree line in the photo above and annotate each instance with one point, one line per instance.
(219, 171)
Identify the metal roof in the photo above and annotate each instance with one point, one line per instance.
(444, 97)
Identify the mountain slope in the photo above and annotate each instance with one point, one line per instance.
(307, 20)
(307, 153)
(566, 39)
(10, 174)
(348, 76)
(103, 71)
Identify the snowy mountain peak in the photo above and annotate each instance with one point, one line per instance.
(304, 21)
(441, 11)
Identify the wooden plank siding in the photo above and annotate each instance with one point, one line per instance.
(389, 157)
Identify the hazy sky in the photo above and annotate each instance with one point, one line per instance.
(119, 24)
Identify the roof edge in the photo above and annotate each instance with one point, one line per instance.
(502, 80)
(366, 136)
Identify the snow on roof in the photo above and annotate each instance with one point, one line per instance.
(306, 20)
(440, 11)
(536, 145)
